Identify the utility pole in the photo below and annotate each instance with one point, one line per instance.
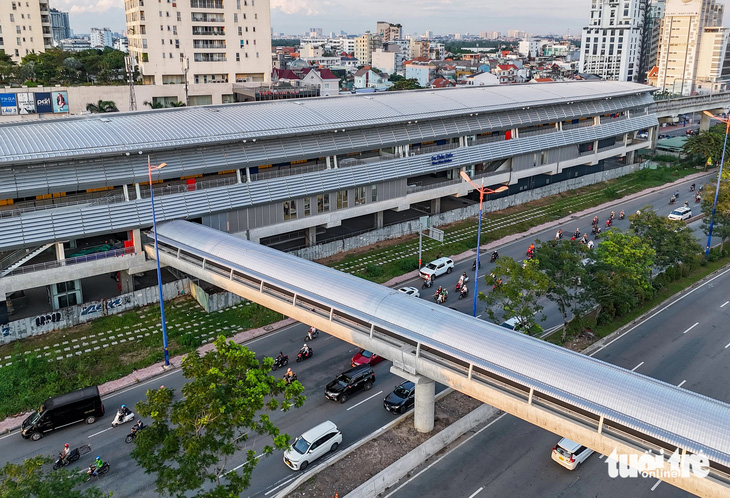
(186, 65)
(129, 66)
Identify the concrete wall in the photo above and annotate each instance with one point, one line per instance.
(75, 315)
(213, 302)
(411, 227)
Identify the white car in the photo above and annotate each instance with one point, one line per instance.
(311, 445)
(436, 268)
(681, 213)
(411, 291)
(570, 454)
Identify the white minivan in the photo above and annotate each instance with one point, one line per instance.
(570, 454)
(311, 445)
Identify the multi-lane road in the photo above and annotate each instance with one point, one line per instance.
(364, 413)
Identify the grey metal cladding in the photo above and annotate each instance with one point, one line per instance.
(683, 418)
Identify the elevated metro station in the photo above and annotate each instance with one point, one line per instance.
(293, 173)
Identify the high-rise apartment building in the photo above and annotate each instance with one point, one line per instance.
(365, 45)
(612, 43)
(419, 48)
(652, 25)
(692, 45)
(101, 38)
(388, 31)
(60, 25)
(25, 27)
(207, 40)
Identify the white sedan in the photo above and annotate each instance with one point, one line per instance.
(411, 291)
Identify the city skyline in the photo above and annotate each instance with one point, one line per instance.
(439, 16)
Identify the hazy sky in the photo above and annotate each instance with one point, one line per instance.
(358, 16)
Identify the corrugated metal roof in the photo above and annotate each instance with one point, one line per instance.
(663, 411)
(150, 130)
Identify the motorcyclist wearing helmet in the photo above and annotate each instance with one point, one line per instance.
(95, 466)
(138, 426)
(304, 350)
(124, 411)
(310, 333)
(64, 453)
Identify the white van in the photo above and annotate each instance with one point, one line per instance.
(570, 454)
(311, 445)
(436, 268)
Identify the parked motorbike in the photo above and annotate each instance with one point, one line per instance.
(301, 356)
(73, 455)
(122, 419)
(280, 361)
(103, 470)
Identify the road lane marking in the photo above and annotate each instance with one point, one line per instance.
(363, 401)
(682, 383)
(97, 433)
(637, 366)
(445, 455)
(723, 304)
(154, 379)
(655, 485)
(693, 326)
(287, 481)
(244, 463)
(728, 346)
(657, 312)
(476, 492)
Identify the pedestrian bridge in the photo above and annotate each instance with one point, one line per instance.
(600, 405)
(673, 107)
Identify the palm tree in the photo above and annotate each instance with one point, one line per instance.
(102, 106)
(177, 104)
(156, 105)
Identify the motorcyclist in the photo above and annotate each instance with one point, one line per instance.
(124, 411)
(595, 220)
(495, 255)
(558, 235)
(676, 194)
(438, 292)
(613, 214)
(137, 427)
(584, 240)
(288, 376)
(279, 357)
(531, 250)
(310, 333)
(621, 215)
(95, 465)
(64, 453)
(672, 199)
(590, 244)
(698, 197)
(692, 188)
(463, 278)
(463, 290)
(304, 350)
(576, 234)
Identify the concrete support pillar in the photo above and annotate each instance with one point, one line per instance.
(136, 235)
(630, 157)
(311, 236)
(126, 282)
(248, 175)
(60, 253)
(137, 191)
(436, 206)
(125, 187)
(334, 162)
(596, 120)
(238, 175)
(379, 219)
(328, 162)
(704, 122)
(423, 416)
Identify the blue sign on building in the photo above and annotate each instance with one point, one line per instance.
(442, 158)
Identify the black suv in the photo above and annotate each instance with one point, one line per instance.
(350, 382)
(401, 399)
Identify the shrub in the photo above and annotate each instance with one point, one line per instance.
(190, 340)
(372, 270)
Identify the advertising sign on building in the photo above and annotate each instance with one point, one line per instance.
(8, 106)
(60, 102)
(43, 102)
(26, 103)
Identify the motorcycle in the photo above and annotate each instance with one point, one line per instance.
(311, 335)
(103, 470)
(441, 298)
(461, 282)
(132, 435)
(697, 199)
(280, 361)
(301, 356)
(122, 419)
(494, 257)
(427, 283)
(530, 254)
(291, 379)
(609, 222)
(73, 455)
(672, 200)
(474, 265)
(621, 215)
(464, 292)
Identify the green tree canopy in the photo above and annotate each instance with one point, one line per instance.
(523, 284)
(721, 219)
(707, 144)
(102, 106)
(191, 441)
(562, 263)
(31, 480)
(672, 241)
(405, 84)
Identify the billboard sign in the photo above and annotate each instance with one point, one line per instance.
(26, 103)
(8, 106)
(60, 102)
(43, 102)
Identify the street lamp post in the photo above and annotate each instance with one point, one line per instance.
(719, 176)
(482, 190)
(157, 259)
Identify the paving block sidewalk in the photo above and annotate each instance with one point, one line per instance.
(143, 374)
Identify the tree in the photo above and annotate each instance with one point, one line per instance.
(190, 441)
(406, 84)
(523, 284)
(154, 105)
(673, 242)
(8, 67)
(102, 106)
(620, 276)
(562, 262)
(30, 480)
(177, 104)
(707, 144)
(721, 223)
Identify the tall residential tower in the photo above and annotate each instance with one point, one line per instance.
(25, 27)
(612, 43)
(201, 41)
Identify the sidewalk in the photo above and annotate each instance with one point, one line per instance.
(143, 374)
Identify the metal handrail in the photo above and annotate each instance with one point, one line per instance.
(72, 261)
